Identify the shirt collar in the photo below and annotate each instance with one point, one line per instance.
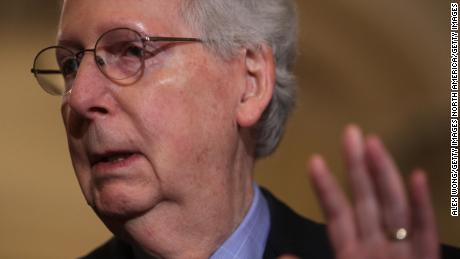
(249, 239)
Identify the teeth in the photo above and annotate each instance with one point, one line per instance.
(116, 158)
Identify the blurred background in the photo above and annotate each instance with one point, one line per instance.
(381, 64)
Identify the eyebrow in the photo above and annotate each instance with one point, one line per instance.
(74, 42)
(137, 26)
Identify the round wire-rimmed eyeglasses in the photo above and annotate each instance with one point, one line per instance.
(119, 53)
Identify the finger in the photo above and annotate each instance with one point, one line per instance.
(366, 203)
(335, 206)
(425, 238)
(389, 186)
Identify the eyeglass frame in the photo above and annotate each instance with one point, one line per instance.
(144, 40)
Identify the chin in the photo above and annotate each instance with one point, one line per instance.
(123, 201)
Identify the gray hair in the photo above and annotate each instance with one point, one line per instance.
(249, 24)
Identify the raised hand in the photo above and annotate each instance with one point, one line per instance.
(380, 222)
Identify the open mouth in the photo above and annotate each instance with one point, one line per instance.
(110, 157)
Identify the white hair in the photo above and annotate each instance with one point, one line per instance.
(248, 24)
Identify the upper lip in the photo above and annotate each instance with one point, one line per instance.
(96, 157)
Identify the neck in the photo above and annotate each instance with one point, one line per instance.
(194, 228)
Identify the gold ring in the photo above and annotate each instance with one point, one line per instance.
(398, 235)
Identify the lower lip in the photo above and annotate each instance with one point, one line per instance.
(116, 165)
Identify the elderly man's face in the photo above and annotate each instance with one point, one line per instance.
(165, 145)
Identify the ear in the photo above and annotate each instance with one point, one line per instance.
(259, 85)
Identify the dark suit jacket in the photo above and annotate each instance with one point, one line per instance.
(289, 234)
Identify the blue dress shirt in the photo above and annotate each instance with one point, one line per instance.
(249, 239)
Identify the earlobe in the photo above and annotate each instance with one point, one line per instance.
(259, 85)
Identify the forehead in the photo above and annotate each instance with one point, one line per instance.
(87, 19)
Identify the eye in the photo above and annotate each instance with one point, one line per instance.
(69, 66)
(126, 49)
(135, 51)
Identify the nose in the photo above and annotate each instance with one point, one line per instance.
(89, 96)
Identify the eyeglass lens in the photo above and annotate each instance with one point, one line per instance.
(118, 53)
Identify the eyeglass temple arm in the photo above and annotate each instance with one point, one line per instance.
(45, 71)
(153, 38)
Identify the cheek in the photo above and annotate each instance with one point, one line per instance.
(184, 127)
(78, 157)
(82, 169)
(186, 119)
(184, 107)
(174, 125)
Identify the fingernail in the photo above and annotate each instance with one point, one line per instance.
(420, 175)
(353, 142)
(316, 161)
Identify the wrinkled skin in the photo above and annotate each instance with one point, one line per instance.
(185, 180)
